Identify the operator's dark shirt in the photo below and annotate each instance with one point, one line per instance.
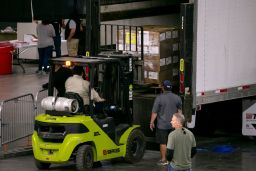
(165, 105)
(60, 78)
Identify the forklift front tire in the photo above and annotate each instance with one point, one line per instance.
(42, 165)
(135, 146)
(84, 158)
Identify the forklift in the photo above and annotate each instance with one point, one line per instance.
(65, 132)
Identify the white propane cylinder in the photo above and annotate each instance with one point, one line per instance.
(67, 105)
(48, 103)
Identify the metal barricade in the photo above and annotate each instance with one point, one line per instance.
(17, 116)
(16, 119)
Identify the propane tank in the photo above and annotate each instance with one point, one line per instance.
(48, 103)
(67, 105)
(60, 104)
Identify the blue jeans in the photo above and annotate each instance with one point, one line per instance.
(44, 55)
(170, 168)
(57, 45)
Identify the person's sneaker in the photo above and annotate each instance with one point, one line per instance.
(162, 163)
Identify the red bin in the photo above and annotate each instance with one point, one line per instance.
(6, 49)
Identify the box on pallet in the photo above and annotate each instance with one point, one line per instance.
(160, 49)
(161, 53)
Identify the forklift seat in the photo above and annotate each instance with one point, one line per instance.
(117, 113)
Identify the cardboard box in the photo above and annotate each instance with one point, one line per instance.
(159, 40)
(169, 47)
(151, 77)
(157, 77)
(155, 63)
(155, 39)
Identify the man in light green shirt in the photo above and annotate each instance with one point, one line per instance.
(181, 145)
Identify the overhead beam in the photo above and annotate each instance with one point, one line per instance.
(140, 9)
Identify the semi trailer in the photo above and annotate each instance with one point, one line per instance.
(216, 69)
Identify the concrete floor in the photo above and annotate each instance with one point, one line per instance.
(241, 159)
(19, 83)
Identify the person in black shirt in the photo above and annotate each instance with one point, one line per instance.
(60, 77)
(72, 33)
(57, 24)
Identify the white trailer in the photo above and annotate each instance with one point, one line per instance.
(223, 63)
(217, 63)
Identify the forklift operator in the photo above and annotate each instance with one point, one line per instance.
(77, 84)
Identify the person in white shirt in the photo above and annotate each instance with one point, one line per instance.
(78, 85)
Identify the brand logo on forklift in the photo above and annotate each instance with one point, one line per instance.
(106, 152)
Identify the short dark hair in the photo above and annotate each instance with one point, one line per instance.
(78, 70)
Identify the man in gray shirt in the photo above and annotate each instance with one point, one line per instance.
(165, 105)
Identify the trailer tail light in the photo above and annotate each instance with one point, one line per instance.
(182, 77)
(182, 86)
(221, 91)
(245, 87)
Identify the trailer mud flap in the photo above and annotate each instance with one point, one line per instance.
(192, 123)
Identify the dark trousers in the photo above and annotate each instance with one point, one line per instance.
(44, 55)
(57, 45)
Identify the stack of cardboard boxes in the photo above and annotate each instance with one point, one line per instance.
(161, 52)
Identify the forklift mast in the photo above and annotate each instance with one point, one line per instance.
(124, 76)
(92, 33)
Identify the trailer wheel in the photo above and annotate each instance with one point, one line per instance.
(42, 165)
(84, 158)
(135, 146)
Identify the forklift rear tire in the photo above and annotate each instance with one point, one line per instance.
(41, 165)
(135, 147)
(84, 158)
